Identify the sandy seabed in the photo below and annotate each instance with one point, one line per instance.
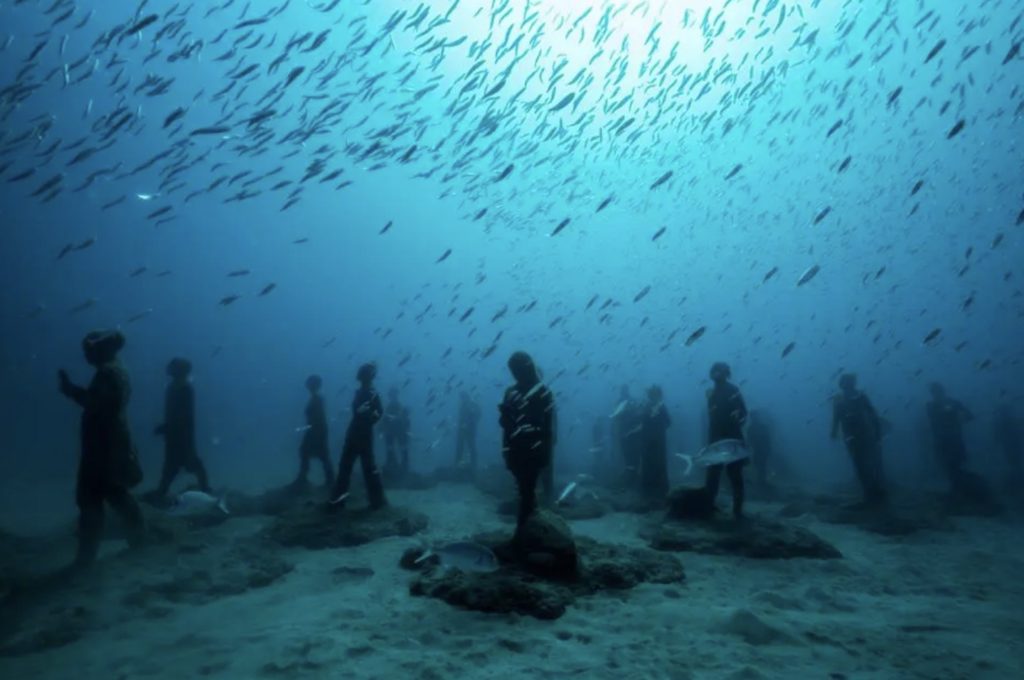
(933, 605)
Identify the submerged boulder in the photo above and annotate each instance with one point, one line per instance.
(500, 593)
(544, 545)
(543, 570)
(754, 538)
(311, 526)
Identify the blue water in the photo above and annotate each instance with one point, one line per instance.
(394, 97)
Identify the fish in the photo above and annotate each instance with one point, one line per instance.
(956, 129)
(604, 204)
(687, 461)
(789, 348)
(565, 101)
(192, 503)
(140, 315)
(735, 171)
(935, 50)
(567, 493)
(466, 556)
(504, 173)
(811, 272)
(211, 130)
(340, 499)
(1012, 54)
(384, 230)
(658, 234)
(642, 294)
(771, 272)
(444, 256)
(917, 187)
(832, 130)
(267, 289)
(140, 24)
(83, 306)
(822, 215)
(228, 299)
(173, 116)
(239, 272)
(696, 335)
(139, 271)
(661, 180)
(932, 336)
(561, 225)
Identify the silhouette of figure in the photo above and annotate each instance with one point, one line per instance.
(862, 433)
(314, 440)
(366, 412)
(947, 417)
(726, 414)
(527, 419)
(1007, 435)
(109, 466)
(627, 421)
(179, 431)
(654, 464)
(469, 418)
(759, 439)
(599, 445)
(395, 428)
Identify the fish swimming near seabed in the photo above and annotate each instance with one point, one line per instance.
(191, 503)
(463, 555)
(720, 453)
(567, 493)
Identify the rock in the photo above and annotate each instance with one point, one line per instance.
(410, 557)
(754, 538)
(521, 587)
(501, 592)
(754, 631)
(616, 567)
(544, 545)
(688, 503)
(311, 527)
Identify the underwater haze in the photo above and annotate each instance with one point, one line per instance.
(797, 135)
(629, 190)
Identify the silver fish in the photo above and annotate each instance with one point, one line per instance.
(191, 503)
